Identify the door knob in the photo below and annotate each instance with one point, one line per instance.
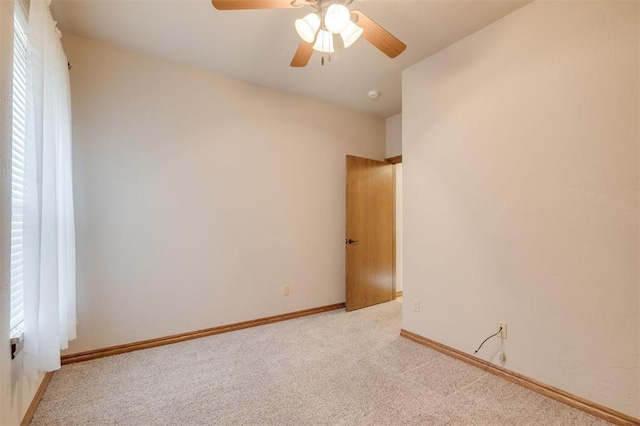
(350, 241)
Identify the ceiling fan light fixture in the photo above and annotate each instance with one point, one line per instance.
(324, 42)
(351, 34)
(337, 18)
(307, 27)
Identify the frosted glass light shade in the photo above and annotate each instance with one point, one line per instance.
(307, 27)
(337, 18)
(324, 42)
(351, 34)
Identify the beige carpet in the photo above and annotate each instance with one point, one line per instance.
(333, 368)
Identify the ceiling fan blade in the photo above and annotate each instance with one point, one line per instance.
(378, 36)
(303, 54)
(251, 4)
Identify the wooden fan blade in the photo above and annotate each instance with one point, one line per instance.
(303, 54)
(378, 36)
(251, 4)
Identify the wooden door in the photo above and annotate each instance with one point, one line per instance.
(369, 233)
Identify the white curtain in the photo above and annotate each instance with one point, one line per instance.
(49, 236)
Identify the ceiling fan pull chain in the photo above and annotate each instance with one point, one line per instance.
(328, 59)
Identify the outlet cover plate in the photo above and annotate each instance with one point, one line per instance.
(503, 333)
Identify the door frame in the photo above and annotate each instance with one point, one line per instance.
(394, 160)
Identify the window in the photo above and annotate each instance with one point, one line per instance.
(17, 165)
(42, 220)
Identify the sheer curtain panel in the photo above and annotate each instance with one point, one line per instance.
(49, 236)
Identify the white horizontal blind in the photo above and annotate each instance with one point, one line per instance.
(20, 59)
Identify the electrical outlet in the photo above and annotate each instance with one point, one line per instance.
(285, 290)
(503, 332)
(416, 305)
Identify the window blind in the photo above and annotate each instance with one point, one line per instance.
(20, 60)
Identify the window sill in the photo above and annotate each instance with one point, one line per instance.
(16, 339)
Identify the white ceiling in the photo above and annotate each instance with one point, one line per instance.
(257, 45)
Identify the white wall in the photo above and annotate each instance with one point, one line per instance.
(198, 197)
(394, 136)
(393, 126)
(399, 227)
(521, 195)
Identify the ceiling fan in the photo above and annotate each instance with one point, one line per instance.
(317, 29)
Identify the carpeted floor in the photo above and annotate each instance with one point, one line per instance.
(332, 368)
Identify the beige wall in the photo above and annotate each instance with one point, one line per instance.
(198, 196)
(521, 195)
(393, 149)
(394, 135)
(399, 227)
